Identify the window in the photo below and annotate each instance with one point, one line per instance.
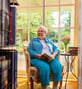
(56, 15)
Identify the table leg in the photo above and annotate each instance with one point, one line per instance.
(67, 60)
(73, 58)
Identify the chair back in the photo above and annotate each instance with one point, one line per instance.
(27, 62)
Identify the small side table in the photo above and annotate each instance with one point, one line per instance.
(69, 64)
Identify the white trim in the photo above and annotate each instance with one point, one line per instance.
(80, 47)
(28, 20)
(43, 19)
(55, 5)
(47, 28)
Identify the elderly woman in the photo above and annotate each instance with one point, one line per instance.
(39, 46)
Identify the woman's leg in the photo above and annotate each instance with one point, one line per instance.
(55, 85)
(57, 71)
(44, 71)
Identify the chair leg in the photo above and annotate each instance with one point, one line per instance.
(31, 83)
(60, 85)
(28, 85)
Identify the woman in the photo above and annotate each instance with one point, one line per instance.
(39, 46)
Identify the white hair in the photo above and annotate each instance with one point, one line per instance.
(43, 28)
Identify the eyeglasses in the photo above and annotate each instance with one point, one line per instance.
(41, 31)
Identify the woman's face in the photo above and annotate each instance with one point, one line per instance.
(41, 34)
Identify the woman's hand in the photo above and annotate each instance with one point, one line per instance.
(54, 54)
(38, 56)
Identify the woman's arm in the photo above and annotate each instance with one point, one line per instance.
(31, 51)
(56, 51)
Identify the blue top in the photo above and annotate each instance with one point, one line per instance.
(35, 47)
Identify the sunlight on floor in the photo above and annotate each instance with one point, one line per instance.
(22, 84)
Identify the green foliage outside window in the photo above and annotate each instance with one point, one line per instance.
(36, 21)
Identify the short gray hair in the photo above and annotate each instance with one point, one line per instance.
(43, 27)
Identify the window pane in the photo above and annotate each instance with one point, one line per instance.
(67, 34)
(67, 17)
(32, 2)
(52, 2)
(23, 2)
(22, 19)
(53, 35)
(36, 2)
(67, 1)
(21, 36)
(51, 17)
(33, 33)
(35, 17)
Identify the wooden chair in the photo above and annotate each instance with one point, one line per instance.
(32, 72)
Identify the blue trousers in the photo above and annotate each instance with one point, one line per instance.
(44, 70)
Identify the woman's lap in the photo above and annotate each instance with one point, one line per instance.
(54, 65)
(39, 63)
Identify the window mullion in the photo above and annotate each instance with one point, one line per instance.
(44, 2)
(59, 27)
(28, 20)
